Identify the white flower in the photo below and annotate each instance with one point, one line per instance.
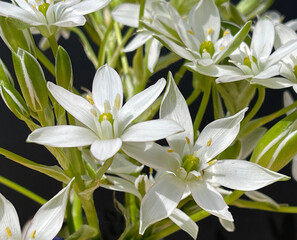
(107, 123)
(191, 166)
(48, 15)
(256, 63)
(45, 225)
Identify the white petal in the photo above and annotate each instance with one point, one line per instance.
(261, 197)
(263, 38)
(184, 222)
(218, 135)
(121, 185)
(152, 130)
(139, 40)
(77, 106)
(154, 53)
(9, 220)
(88, 6)
(48, 220)
(71, 20)
(121, 165)
(161, 200)
(283, 35)
(203, 17)
(294, 168)
(139, 103)
(209, 199)
(232, 78)
(274, 83)
(174, 107)
(152, 155)
(228, 225)
(63, 136)
(127, 14)
(241, 175)
(104, 149)
(107, 86)
(270, 72)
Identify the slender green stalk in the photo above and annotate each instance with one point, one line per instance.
(194, 95)
(217, 104)
(264, 206)
(141, 12)
(101, 56)
(203, 106)
(76, 212)
(178, 75)
(45, 61)
(53, 43)
(257, 106)
(24, 191)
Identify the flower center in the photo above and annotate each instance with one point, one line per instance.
(247, 61)
(43, 8)
(190, 163)
(106, 116)
(207, 46)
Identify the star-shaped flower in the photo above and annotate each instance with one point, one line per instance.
(107, 124)
(48, 15)
(45, 225)
(192, 166)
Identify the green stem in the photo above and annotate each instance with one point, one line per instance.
(217, 104)
(178, 75)
(165, 61)
(141, 12)
(257, 106)
(76, 212)
(203, 106)
(54, 45)
(101, 56)
(194, 95)
(264, 206)
(18, 188)
(45, 61)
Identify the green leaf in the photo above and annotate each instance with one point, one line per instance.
(253, 8)
(64, 74)
(51, 171)
(31, 80)
(5, 74)
(278, 146)
(139, 68)
(85, 232)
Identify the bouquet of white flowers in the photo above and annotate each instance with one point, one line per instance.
(140, 136)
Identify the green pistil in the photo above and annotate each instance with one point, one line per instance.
(106, 116)
(43, 8)
(207, 46)
(190, 163)
(247, 61)
(295, 71)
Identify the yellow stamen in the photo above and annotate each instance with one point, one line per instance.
(32, 235)
(151, 171)
(188, 140)
(209, 142)
(226, 33)
(170, 151)
(211, 162)
(189, 31)
(117, 102)
(210, 31)
(33, 6)
(199, 177)
(222, 48)
(8, 232)
(90, 99)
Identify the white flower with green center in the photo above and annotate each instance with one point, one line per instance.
(48, 15)
(196, 39)
(45, 225)
(192, 166)
(107, 123)
(256, 63)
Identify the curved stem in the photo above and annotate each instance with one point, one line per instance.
(101, 56)
(20, 189)
(257, 106)
(54, 45)
(203, 106)
(194, 95)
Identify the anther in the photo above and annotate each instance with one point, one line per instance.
(32, 235)
(170, 151)
(90, 99)
(209, 142)
(189, 31)
(211, 162)
(8, 232)
(222, 48)
(210, 31)
(226, 33)
(188, 140)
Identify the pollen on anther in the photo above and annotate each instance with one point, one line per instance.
(191, 32)
(170, 151)
(211, 162)
(226, 33)
(32, 235)
(222, 48)
(209, 142)
(90, 99)
(199, 177)
(210, 31)
(8, 232)
(188, 140)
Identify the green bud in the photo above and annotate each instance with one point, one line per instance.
(278, 146)
(190, 163)
(14, 100)
(5, 74)
(15, 38)
(64, 74)
(207, 46)
(106, 116)
(31, 80)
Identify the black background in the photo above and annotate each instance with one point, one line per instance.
(250, 224)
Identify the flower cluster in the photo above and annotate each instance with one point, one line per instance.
(135, 135)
